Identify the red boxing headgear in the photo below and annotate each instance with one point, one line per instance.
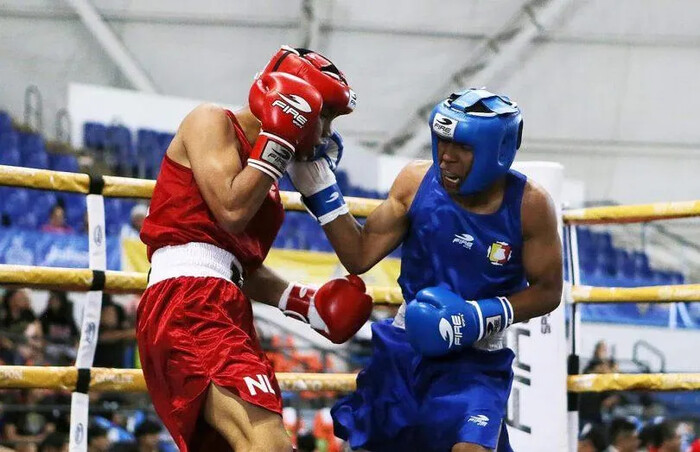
(319, 72)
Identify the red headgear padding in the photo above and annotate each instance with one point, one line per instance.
(319, 72)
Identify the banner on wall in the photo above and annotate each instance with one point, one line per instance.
(537, 412)
(294, 265)
(46, 249)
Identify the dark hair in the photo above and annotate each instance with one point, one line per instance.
(306, 442)
(666, 430)
(620, 425)
(595, 434)
(656, 432)
(592, 364)
(95, 431)
(147, 427)
(54, 440)
(55, 207)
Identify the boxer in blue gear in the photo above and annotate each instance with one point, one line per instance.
(481, 251)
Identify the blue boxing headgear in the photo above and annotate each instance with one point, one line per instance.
(491, 125)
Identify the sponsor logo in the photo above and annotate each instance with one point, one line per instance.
(494, 324)
(352, 102)
(444, 126)
(297, 102)
(9, 373)
(479, 420)
(90, 332)
(276, 154)
(262, 383)
(465, 240)
(333, 197)
(294, 106)
(451, 331)
(499, 253)
(98, 235)
(79, 433)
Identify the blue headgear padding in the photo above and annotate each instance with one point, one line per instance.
(491, 125)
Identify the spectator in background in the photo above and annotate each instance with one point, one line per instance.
(16, 311)
(115, 335)
(55, 442)
(592, 439)
(306, 443)
(594, 405)
(622, 435)
(98, 441)
(59, 327)
(667, 438)
(147, 436)
(600, 352)
(660, 436)
(132, 229)
(27, 426)
(31, 351)
(57, 221)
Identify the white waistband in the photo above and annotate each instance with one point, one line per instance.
(192, 259)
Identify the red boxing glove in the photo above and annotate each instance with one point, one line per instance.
(337, 310)
(288, 108)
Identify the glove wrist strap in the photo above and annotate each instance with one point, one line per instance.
(495, 315)
(326, 205)
(271, 155)
(296, 301)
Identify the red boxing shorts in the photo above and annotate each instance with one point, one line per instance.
(194, 331)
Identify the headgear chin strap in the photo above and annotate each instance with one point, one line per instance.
(491, 125)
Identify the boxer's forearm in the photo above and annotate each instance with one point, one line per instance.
(265, 286)
(535, 301)
(360, 247)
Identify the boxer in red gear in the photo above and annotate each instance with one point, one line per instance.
(214, 214)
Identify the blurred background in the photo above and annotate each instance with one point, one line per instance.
(608, 89)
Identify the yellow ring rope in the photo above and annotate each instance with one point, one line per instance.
(638, 213)
(126, 187)
(658, 294)
(131, 380)
(131, 282)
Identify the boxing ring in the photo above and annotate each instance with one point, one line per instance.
(83, 378)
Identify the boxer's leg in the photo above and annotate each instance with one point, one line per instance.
(246, 427)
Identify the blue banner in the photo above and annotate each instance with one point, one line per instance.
(46, 249)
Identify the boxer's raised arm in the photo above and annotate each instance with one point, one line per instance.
(232, 194)
(360, 247)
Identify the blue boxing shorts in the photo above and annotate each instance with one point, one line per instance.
(405, 402)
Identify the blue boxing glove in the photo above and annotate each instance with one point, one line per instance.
(316, 182)
(331, 150)
(439, 321)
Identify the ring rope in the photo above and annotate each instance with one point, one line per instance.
(131, 380)
(81, 279)
(637, 213)
(126, 187)
(627, 382)
(651, 294)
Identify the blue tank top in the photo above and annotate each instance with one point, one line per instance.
(474, 255)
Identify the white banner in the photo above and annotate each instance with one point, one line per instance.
(537, 415)
(78, 422)
(90, 327)
(98, 238)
